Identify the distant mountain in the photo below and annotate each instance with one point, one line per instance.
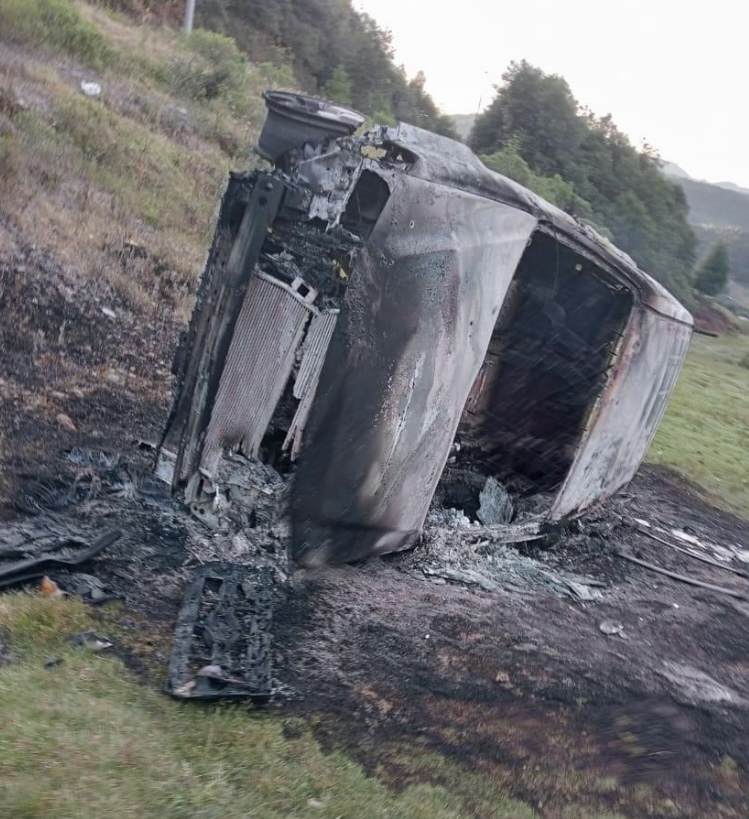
(731, 186)
(463, 124)
(672, 169)
(720, 213)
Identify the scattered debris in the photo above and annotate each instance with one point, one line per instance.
(90, 640)
(495, 504)
(695, 555)
(222, 639)
(88, 587)
(61, 555)
(696, 687)
(680, 577)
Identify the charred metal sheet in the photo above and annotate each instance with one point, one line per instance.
(222, 642)
(411, 337)
(469, 307)
(313, 351)
(62, 555)
(627, 415)
(260, 359)
(248, 209)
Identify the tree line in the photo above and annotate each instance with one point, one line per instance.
(336, 51)
(536, 132)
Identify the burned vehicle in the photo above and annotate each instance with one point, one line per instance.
(392, 322)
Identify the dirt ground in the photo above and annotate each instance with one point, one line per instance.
(521, 684)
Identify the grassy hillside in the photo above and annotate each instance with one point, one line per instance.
(718, 213)
(705, 433)
(136, 172)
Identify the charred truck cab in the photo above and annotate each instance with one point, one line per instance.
(390, 320)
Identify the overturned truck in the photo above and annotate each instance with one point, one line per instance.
(389, 320)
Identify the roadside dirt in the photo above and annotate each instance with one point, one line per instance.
(520, 685)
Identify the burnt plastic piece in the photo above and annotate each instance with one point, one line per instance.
(33, 567)
(222, 642)
(294, 120)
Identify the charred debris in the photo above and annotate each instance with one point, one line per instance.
(389, 328)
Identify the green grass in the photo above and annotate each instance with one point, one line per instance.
(84, 739)
(705, 432)
(55, 25)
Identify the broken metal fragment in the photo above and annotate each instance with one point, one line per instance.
(66, 554)
(681, 577)
(222, 642)
(692, 554)
(496, 505)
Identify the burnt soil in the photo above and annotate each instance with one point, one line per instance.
(521, 686)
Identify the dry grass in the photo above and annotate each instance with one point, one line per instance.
(145, 163)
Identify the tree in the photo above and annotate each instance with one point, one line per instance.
(578, 160)
(539, 111)
(712, 275)
(338, 87)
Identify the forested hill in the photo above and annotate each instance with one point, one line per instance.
(536, 132)
(335, 51)
(719, 213)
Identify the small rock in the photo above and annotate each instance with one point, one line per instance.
(315, 803)
(77, 393)
(609, 627)
(109, 312)
(113, 377)
(502, 677)
(65, 421)
(51, 662)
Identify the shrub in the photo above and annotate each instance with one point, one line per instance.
(217, 70)
(54, 24)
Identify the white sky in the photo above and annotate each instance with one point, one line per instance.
(675, 74)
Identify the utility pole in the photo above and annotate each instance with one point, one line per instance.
(189, 16)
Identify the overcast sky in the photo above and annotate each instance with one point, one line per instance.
(673, 74)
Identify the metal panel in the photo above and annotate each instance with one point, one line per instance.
(268, 332)
(623, 423)
(413, 331)
(201, 358)
(314, 350)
